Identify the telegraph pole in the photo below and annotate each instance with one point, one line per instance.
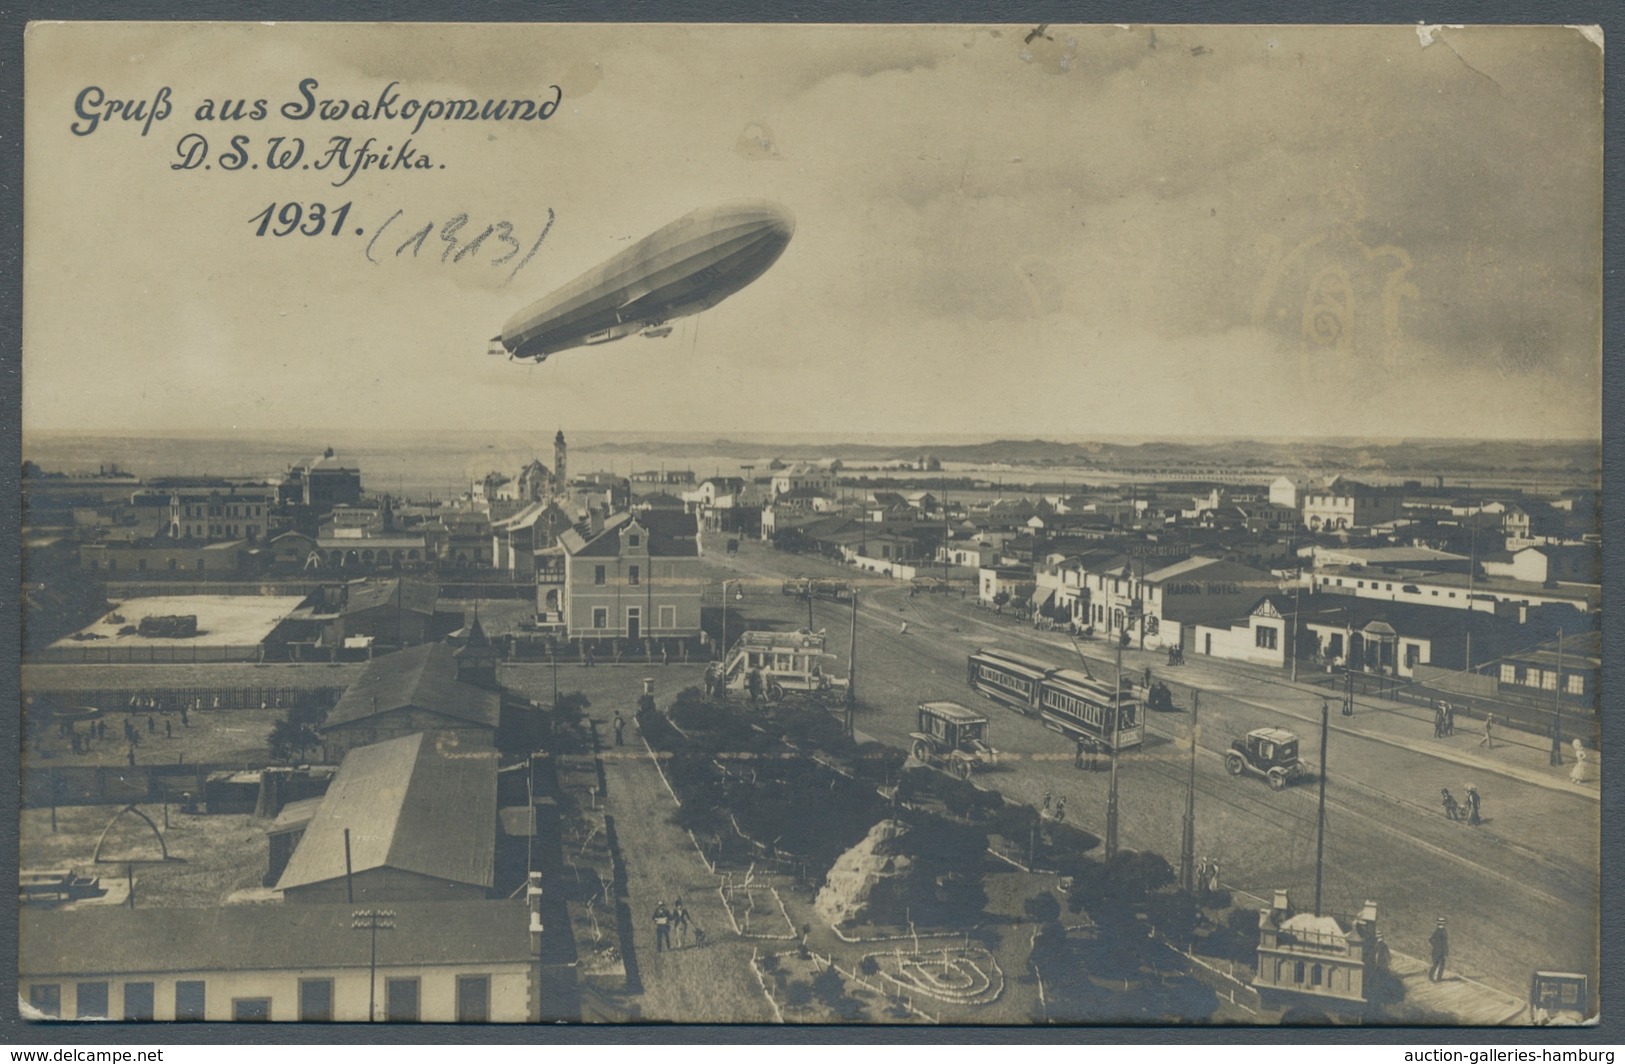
(1187, 845)
(852, 670)
(373, 920)
(1111, 789)
(1320, 816)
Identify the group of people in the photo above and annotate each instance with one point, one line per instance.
(1444, 720)
(674, 922)
(1467, 809)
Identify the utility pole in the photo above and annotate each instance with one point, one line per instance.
(374, 920)
(1320, 816)
(1187, 844)
(1557, 705)
(1472, 573)
(852, 671)
(1111, 788)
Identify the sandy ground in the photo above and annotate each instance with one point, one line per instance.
(222, 620)
(210, 856)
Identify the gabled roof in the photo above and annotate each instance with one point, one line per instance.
(407, 806)
(671, 535)
(422, 676)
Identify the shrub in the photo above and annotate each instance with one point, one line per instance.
(798, 995)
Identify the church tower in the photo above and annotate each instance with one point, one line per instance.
(561, 479)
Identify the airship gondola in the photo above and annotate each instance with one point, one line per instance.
(688, 266)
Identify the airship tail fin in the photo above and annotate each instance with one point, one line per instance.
(496, 347)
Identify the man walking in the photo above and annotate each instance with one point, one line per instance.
(620, 729)
(1489, 734)
(1441, 950)
(679, 921)
(662, 928)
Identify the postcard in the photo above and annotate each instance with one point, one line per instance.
(788, 524)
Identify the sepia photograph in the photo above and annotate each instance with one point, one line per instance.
(787, 524)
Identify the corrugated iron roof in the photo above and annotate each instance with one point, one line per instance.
(421, 676)
(408, 805)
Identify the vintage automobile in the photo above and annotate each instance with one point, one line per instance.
(953, 738)
(1268, 752)
(1559, 998)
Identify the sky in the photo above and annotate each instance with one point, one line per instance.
(1092, 230)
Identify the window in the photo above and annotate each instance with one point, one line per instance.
(315, 1001)
(1265, 637)
(634, 540)
(1413, 654)
(138, 1001)
(473, 998)
(598, 575)
(90, 1001)
(1575, 684)
(401, 1000)
(600, 617)
(633, 575)
(251, 1010)
(668, 617)
(189, 999)
(1548, 680)
(47, 997)
(1509, 674)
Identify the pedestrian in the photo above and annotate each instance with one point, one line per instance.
(1452, 808)
(1440, 941)
(152, 724)
(1148, 676)
(101, 729)
(186, 719)
(1438, 720)
(131, 757)
(679, 921)
(1077, 758)
(1380, 955)
(662, 928)
(1489, 733)
(1060, 809)
(586, 657)
(904, 629)
(620, 729)
(665, 655)
(169, 730)
(1472, 805)
(1449, 719)
(1047, 800)
(753, 682)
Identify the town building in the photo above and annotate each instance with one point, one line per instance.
(321, 483)
(638, 577)
(439, 962)
(1343, 505)
(413, 690)
(516, 540)
(412, 818)
(216, 515)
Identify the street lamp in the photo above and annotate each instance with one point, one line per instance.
(739, 594)
(374, 920)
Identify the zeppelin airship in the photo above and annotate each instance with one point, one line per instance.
(690, 265)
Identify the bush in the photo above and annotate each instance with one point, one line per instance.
(798, 995)
(869, 967)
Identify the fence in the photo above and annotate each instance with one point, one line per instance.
(95, 653)
(172, 698)
(105, 785)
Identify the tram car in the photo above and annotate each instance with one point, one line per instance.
(1007, 678)
(1066, 700)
